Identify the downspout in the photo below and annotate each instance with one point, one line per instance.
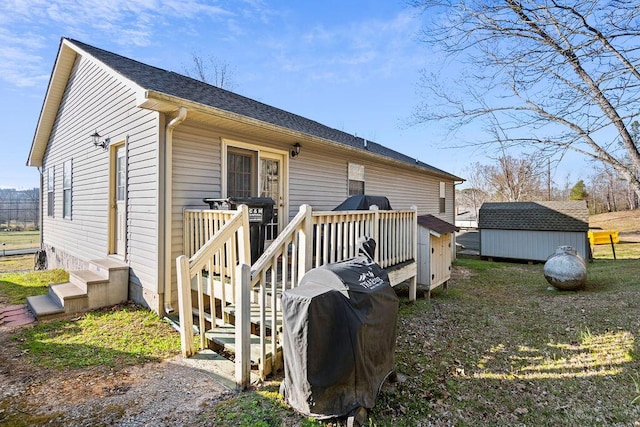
(41, 206)
(168, 205)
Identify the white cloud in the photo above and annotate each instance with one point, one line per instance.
(28, 27)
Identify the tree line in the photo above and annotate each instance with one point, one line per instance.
(528, 178)
(19, 209)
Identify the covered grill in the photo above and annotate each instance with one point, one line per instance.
(339, 337)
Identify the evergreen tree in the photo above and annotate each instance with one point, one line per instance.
(579, 191)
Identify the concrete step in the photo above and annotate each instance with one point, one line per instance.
(84, 279)
(215, 365)
(69, 296)
(44, 307)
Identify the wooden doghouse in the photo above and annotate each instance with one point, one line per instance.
(435, 251)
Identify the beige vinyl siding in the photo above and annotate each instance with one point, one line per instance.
(95, 100)
(319, 177)
(196, 175)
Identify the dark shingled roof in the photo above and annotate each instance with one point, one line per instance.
(540, 216)
(436, 224)
(174, 84)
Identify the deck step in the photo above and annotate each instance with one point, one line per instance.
(255, 315)
(225, 336)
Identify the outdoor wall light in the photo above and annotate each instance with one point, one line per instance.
(96, 141)
(296, 150)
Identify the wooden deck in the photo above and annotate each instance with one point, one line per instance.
(236, 307)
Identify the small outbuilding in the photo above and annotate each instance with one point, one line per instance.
(435, 251)
(533, 230)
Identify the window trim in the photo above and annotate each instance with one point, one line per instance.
(67, 189)
(51, 191)
(355, 173)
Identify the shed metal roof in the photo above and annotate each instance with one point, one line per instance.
(541, 216)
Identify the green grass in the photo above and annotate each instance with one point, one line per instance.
(16, 263)
(19, 240)
(498, 348)
(16, 287)
(117, 337)
(263, 408)
(506, 350)
(501, 348)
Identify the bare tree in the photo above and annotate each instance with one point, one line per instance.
(478, 192)
(608, 192)
(509, 179)
(554, 75)
(211, 70)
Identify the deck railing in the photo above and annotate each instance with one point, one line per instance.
(227, 252)
(311, 239)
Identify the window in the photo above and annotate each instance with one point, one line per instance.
(242, 179)
(50, 190)
(442, 198)
(66, 189)
(356, 187)
(356, 179)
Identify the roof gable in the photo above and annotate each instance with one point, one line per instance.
(149, 79)
(540, 216)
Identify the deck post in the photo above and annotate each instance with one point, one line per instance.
(376, 232)
(305, 243)
(244, 246)
(184, 306)
(243, 327)
(413, 282)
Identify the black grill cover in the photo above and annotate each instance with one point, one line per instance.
(363, 202)
(339, 338)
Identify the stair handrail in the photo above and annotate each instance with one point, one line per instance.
(188, 268)
(299, 223)
(264, 278)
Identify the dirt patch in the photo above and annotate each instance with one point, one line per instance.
(166, 393)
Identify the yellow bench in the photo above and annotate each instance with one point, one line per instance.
(601, 237)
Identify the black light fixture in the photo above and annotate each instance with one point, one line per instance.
(96, 141)
(296, 150)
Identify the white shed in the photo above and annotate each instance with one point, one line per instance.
(435, 251)
(533, 230)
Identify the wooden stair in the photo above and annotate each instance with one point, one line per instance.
(104, 283)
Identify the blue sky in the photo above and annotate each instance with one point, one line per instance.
(351, 65)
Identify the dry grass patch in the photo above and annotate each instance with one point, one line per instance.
(622, 221)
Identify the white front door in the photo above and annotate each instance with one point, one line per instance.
(118, 201)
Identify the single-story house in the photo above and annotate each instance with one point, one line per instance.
(124, 147)
(532, 230)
